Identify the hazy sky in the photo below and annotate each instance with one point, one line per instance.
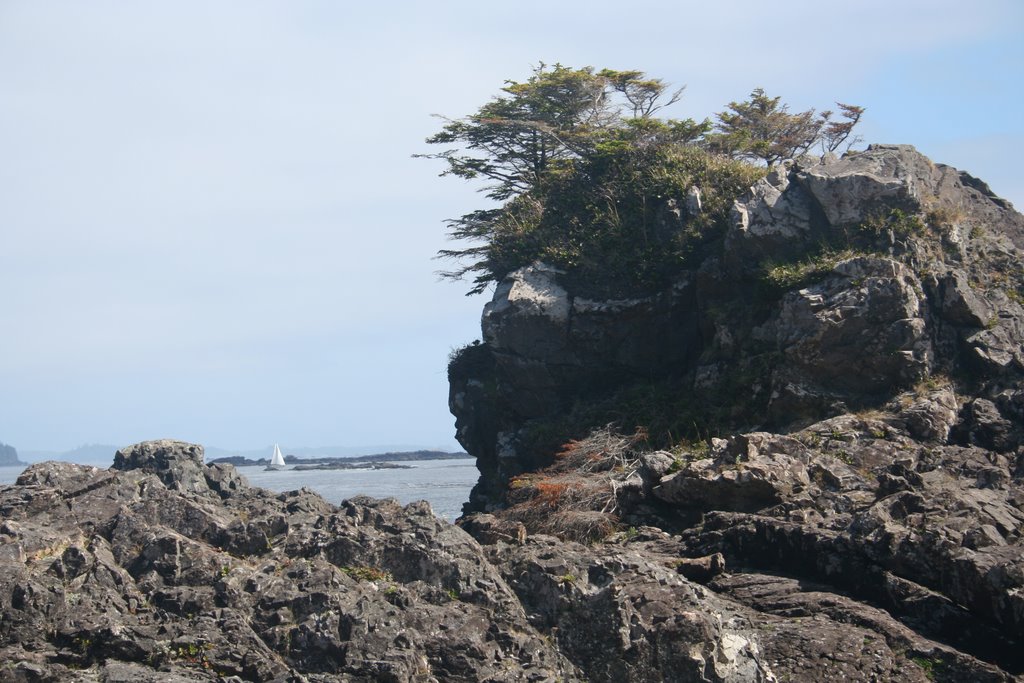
(213, 230)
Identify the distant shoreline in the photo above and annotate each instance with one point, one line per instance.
(340, 462)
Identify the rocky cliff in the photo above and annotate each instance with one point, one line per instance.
(801, 461)
(831, 402)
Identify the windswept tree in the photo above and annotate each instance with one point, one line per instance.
(835, 133)
(587, 176)
(535, 127)
(534, 133)
(763, 128)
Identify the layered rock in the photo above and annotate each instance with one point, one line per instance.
(841, 283)
(856, 349)
(857, 514)
(139, 573)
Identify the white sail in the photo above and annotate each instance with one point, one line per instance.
(278, 459)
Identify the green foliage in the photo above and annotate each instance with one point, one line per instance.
(900, 222)
(763, 129)
(591, 182)
(368, 574)
(537, 128)
(813, 268)
(619, 222)
(930, 666)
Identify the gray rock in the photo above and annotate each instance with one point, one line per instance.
(849, 189)
(177, 463)
(983, 425)
(960, 304)
(867, 497)
(150, 580)
(862, 330)
(773, 218)
(932, 417)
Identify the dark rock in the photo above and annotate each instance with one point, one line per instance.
(144, 575)
(960, 304)
(488, 529)
(856, 339)
(862, 331)
(701, 569)
(982, 425)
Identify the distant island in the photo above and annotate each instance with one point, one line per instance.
(9, 456)
(352, 466)
(376, 461)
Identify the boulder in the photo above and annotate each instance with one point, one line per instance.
(178, 464)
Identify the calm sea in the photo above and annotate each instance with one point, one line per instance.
(445, 484)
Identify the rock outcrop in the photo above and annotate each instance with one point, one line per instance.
(852, 361)
(166, 569)
(841, 284)
(140, 573)
(8, 456)
(848, 505)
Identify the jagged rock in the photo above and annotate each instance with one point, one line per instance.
(849, 189)
(755, 471)
(488, 529)
(178, 464)
(774, 217)
(960, 304)
(983, 425)
(542, 336)
(850, 337)
(873, 404)
(998, 349)
(862, 331)
(932, 417)
(156, 580)
(623, 616)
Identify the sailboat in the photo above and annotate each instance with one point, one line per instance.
(277, 461)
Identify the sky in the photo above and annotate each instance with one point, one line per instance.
(212, 227)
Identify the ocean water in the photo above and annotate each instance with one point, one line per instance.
(445, 484)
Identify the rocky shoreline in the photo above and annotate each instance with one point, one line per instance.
(857, 515)
(342, 461)
(352, 466)
(851, 362)
(163, 568)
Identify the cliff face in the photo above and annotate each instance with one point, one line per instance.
(830, 485)
(851, 362)
(840, 285)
